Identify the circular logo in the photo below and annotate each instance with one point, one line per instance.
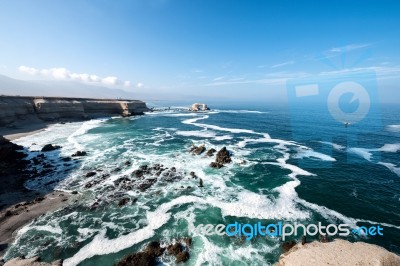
(359, 94)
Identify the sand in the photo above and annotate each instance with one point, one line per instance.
(339, 252)
(23, 129)
(18, 215)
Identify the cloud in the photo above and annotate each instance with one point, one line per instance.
(218, 78)
(139, 85)
(349, 47)
(64, 74)
(283, 64)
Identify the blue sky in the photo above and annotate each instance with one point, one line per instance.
(234, 49)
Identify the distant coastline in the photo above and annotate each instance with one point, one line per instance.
(21, 115)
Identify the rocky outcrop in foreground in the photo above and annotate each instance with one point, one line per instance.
(339, 252)
(14, 108)
(148, 257)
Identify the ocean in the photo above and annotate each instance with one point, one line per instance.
(289, 165)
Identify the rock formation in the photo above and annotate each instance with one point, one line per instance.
(15, 108)
(223, 157)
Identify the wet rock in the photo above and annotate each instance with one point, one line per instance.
(187, 241)
(201, 183)
(286, 246)
(138, 259)
(90, 174)
(147, 184)
(123, 202)
(138, 173)
(122, 180)
(88, 185)
(173, 169)
(199, 150)
(128, 163)
(74, 192)
(303, 240)
(211, 152)
(216, 165)
(79, 154)
(50, 147)
(182, 257)
(175, 249)
(154, 248)
(118, 169)
(193, 174)
(223, 156)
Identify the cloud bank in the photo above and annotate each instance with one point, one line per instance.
(65, 74)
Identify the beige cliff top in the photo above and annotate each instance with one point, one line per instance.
(339, 252)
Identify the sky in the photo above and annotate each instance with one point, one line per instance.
(200, 48)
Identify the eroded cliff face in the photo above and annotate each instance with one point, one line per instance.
(14, 108)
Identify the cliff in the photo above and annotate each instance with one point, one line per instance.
(339, 252)
(15, 108)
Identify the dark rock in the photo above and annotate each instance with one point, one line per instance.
(187, 241)
(8, 213)
(39, 199)
(74, 192)
(211, 152)
(288, 245)
(147, 184)
(199, 150)
(128, 163)
(223, 156)
(201, 183)
(138, 259)
(79, 153)
(193, 174)
(173, 169)
(175, 249)
(90, 174)
(216, 165)
(182, 257)
(88, 185)
(123, 202)
(154, 248)
(118, 169)
(138, 173)
(50, 147)
(303, 240)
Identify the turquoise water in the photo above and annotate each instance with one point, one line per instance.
(283, 169)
